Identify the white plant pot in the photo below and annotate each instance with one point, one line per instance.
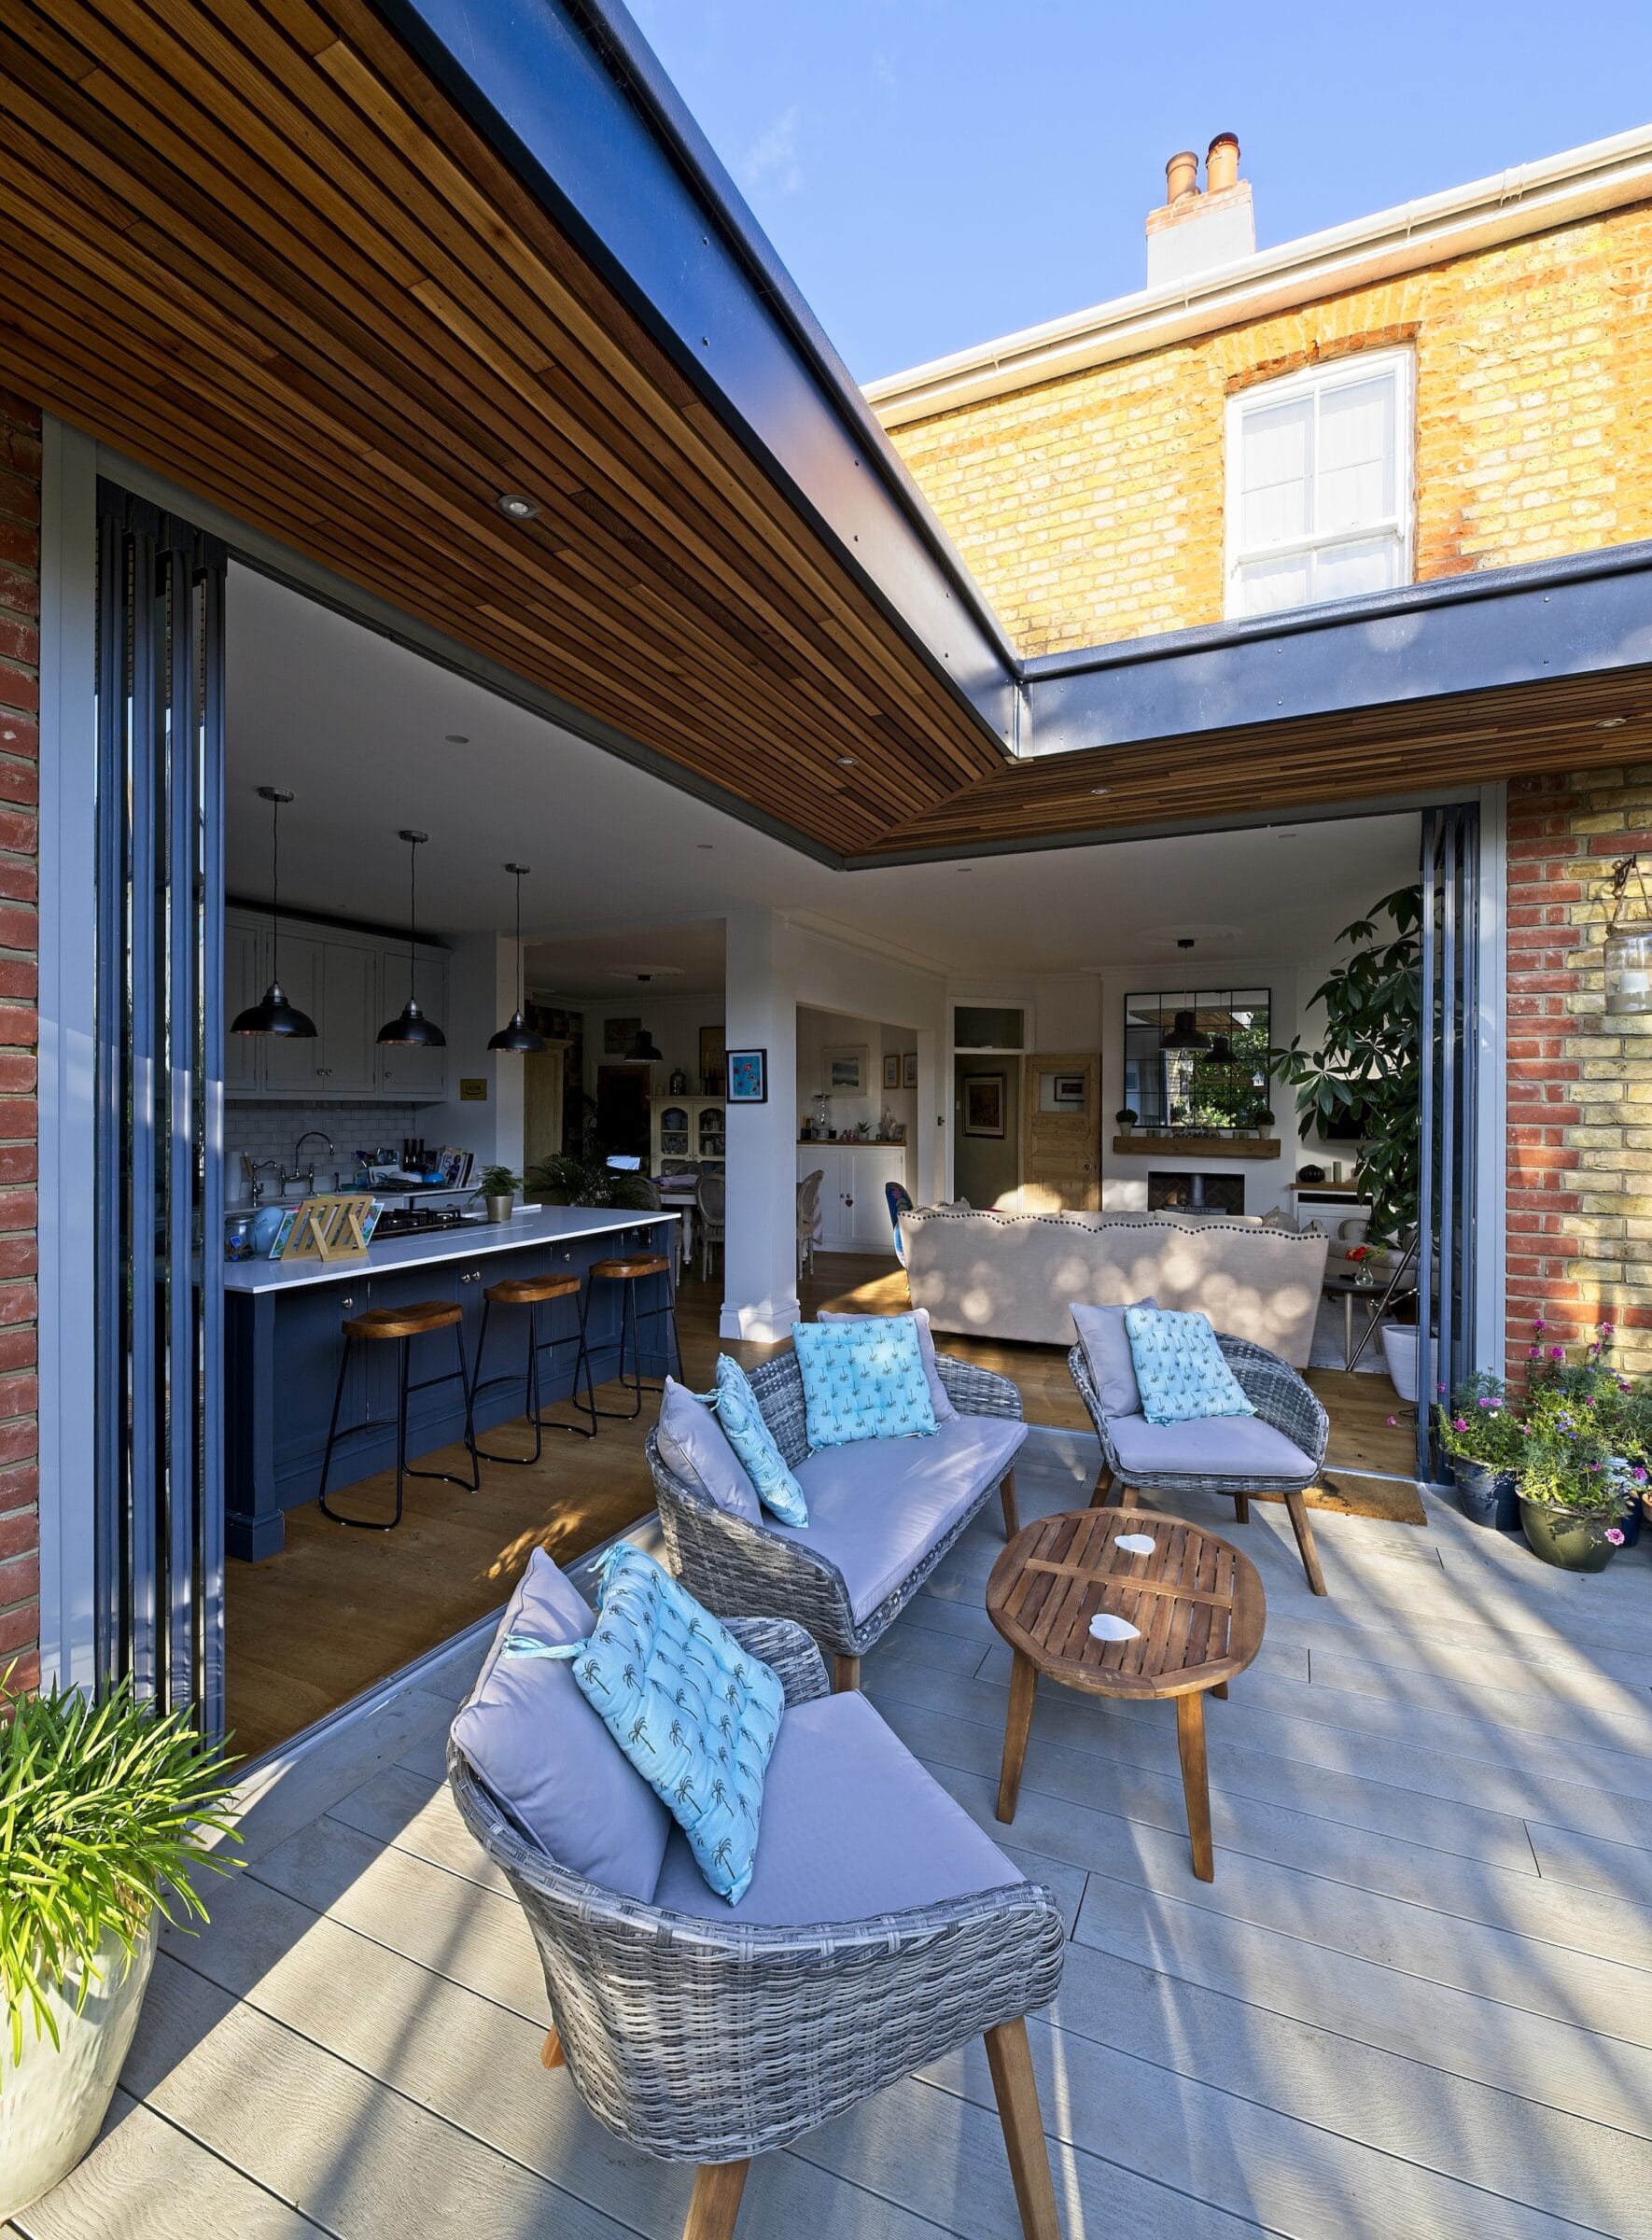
(1399, 1349)
(53, 2101)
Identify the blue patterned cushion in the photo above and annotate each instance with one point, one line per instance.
(863, 1380)
(1180, 1368)
(694, 1713)
(754, 1443)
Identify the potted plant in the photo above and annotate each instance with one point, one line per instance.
(1614, 1412)
(1571, 1502)
(104, 1809)
(1486, 1442)
(1265, 1121)
(499, 1187)
(1125, 1119)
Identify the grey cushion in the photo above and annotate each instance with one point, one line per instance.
(852, 1826)
(548, 1758)
(878, 1507)
(1107, 1349)
(1237, 1446)
(695, 1448)
(939, 1401)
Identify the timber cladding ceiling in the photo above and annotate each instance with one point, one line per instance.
(259, 250)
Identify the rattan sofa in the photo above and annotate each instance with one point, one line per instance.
(1141, 1457)
(704, 2038)
(770, 1569)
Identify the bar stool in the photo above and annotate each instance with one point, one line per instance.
(400, 1325)
(534, 1292)
(632, 1268)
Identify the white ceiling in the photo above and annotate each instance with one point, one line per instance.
(678, 960)
(627, 871)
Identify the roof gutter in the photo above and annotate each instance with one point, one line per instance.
(1532, 197)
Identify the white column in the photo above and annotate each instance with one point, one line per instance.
(760, 1250)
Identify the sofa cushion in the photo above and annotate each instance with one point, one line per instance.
(545, 1756)
(691, 1710)
(863, 1381)
(1180, 1368)
(940, 1399)
(1236, 1447)
(852, 1826)
(695, 1448)
(754, 1443)
(1107, 1349)
(877, 1507)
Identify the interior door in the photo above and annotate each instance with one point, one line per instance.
(542, 1074)
(1061, 1133)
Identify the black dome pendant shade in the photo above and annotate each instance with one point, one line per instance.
(644, 1050)
(1184, 1028)
(411, 1029)
(517, 1034)
(272, 1014)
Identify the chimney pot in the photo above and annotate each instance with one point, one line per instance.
(1222, 163)
(1181, 176)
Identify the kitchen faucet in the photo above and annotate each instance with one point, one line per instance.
(308, 1174)
(254, 1170)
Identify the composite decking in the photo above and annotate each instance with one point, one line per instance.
(1416, 2001)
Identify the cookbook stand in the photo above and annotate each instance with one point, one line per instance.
(335, 1226)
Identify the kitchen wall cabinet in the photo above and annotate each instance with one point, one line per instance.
(854, 1211)
(348, 983)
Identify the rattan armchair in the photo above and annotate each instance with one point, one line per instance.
(1280, 1399)
(731, 1565)
(705, 2042)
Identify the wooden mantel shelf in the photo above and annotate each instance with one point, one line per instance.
(1199, 1147)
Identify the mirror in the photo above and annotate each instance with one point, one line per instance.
(1199, 1088)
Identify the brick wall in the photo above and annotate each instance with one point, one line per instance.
(1090, 508)
(1579, 1083)
(19, 745)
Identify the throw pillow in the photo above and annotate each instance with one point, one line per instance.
(939, 1401)
(754, 1443)
(543, 1756)
(1107, 1349)
(691, 1710)
(1180, 1368)
(863, 1380)
(695, 1448)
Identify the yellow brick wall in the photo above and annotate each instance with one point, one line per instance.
(1090, 509)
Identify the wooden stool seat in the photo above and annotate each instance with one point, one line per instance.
(532, 1290)
(413, 1321)
(626, 1268)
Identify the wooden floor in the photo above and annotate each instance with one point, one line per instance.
(1415, 2002)
(338, 1611)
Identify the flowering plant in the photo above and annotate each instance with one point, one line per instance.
(1478, 1427)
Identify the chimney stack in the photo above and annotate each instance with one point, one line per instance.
(1192, 234)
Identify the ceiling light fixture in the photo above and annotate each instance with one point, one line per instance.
(457, 739)
(1096, 792)
(274, 1014)
(1611, 722)
(1184, 1028)
(1628, 956)
(411, 1029)
(518, 1035)
(845, 762)
(514, 507)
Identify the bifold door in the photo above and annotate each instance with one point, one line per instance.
(160, 1106)
(1447, 1111)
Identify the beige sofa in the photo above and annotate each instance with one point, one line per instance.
(1004, 1275)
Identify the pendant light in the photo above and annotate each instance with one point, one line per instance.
(1185, 1029)
(518, 1034)
(1221, 1047)
(275, 1015)
(410, 1028)
(644, 1050)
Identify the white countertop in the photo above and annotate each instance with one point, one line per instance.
(534, 1224)
(848, 1144)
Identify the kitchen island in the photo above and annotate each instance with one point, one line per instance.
(282, 1343)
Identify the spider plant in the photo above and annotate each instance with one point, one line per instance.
(105, 1808)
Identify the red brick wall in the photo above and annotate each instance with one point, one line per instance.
(20, 748)
(1579, 1083)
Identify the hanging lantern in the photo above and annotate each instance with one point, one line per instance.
(516, 1034)
(272, 1014)
(1628, 944)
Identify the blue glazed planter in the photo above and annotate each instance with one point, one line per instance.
(1487, 1497)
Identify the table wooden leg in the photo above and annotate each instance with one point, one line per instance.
(716, 2203)
(1195, 1781)
(1241, 1509)
(1296, 1510)
(1017, 1722)
(1009, 2059)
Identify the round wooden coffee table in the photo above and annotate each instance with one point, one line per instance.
(1197, 1603)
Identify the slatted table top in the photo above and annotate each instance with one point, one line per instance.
(1196, 1601)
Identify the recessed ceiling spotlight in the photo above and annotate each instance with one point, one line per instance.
(1096, 792)
(1611, 722)
(966, 867)
(515, 506)
(703, 846)
(457, 739)
(845, 762)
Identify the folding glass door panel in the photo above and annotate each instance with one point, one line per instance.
(1447, 1111)
(160, 1105)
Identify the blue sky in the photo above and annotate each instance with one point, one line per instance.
(937, 172)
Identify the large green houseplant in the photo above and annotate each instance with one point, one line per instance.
(104, 1811)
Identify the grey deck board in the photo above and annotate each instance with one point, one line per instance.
(1412, 2002)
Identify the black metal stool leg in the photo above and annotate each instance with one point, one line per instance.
(332, 1433)
(626, 1384)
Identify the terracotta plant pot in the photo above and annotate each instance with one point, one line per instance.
(1570, 1539)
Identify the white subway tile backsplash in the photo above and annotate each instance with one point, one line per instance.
(269, 1132)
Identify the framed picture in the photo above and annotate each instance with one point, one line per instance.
(1069, 1091)
(983, 1104)
(748, 1077)
(909, 1070)
(891, 1071)
(618, 1036)
(846, 1070)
